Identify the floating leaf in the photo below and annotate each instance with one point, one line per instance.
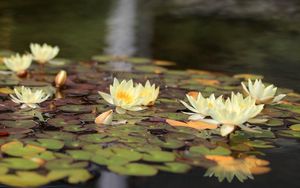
(19, 164)
(64, 164)
(79, 154)
(134, 169)
(19, 124)
(97, 138)
(206, 151)
(52, 144)
(17, 149)
(24, 179)
(74, 175)
(295, 127)
(159, 156)
(57, 135)
(260, 144)
(174, 167)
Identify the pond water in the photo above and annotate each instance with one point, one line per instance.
(267, 46)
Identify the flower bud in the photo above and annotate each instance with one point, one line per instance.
(105, 118)
(60, 78)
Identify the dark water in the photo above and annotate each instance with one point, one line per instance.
(228, 44)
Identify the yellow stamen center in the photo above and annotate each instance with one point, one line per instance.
(124, 96)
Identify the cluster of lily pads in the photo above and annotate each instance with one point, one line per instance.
(66, 137)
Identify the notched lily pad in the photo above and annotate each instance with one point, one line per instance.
(18, 149)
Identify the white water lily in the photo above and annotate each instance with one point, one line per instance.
(261, 93)
(29, 97)
(234, 111)
(18, 63)
(43, 53)
(199, 105)
(148, 93)
(124, 95)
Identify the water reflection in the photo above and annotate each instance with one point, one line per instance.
(111, 180)
(120, 37)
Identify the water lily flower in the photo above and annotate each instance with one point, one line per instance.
(29, 97)
(105, 118)
(234, 111)
(124, 95)
(43, 53)
(148, 93)
(261, 93)
(18, 63)
(199, 105)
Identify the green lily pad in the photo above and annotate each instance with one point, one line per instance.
(289, 133)
(51, 144)
(57, 135)
(274, 122)
(24, 179)
(19, 124)
(74, 176)
(64, 164)
(74, 128)
(169, 143)
(76, 108)
(219, 150)
(295, 127)
(127, 154)
(46, 155)
(102, 160)
(260, 144)
(79, 154)
(19, 164)
(174, 167)
(159, 156)
(97, 138)
(292, 108)
(133, 169)
(60, 122)
(18, 149)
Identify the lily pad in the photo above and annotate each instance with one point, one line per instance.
(174, 167)
(24, 179)
(134, 169)
(159, 156)
(64, 164)
(19, 164)
(18, 149)
(51, 144)
(97, 138)
(206, 151)
(295, 127)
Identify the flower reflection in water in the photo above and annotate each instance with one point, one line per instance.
(228, 167)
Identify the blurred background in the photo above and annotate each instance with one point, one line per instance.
(231, 36)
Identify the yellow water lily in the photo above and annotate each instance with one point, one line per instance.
(124, 95)
(43, 53)
(234, 111)
(29, 97)
(148, 93)
(18, 63)
(261, 93)
(199, 105)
